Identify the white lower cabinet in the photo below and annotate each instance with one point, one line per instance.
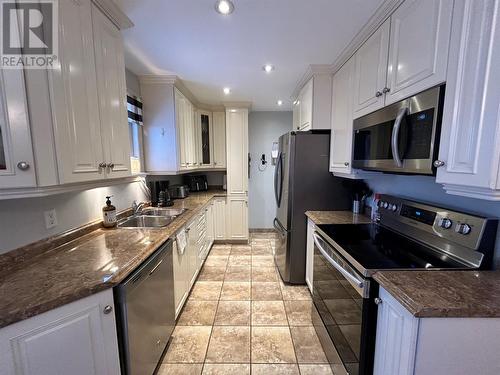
(220, 219)
(181, 282)
(406, 345)
(237, 211)
(79, 338)
(310, 254)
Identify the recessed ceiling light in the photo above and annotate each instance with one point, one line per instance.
(280, 102)
(268, 68)
(232, 110)
(224, 7)
(227, 91)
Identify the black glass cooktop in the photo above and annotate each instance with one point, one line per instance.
(375, 247)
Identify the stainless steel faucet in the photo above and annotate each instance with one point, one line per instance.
(137, 208)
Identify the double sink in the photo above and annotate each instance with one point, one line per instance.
(151, 217)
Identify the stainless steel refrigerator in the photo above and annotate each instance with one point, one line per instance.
(302, 182)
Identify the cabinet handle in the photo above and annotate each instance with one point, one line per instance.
(23, 165)
(102, 165)
(215, 163)
(111, 165)
(378, 301)
(346, 164)
(438, 163)
(107, 309)
(386, 90)
(378, 94)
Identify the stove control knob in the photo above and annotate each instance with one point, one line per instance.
(381, 204)
(394, 207)
(445, 223)
(463, 229)
(386, 205)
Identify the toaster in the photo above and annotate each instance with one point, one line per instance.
(178, 191)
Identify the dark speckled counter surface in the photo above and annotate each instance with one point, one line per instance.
(337, 217)
(441, 294)
(95, 261)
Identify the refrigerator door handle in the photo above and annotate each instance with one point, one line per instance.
(279, 227)
(278, 179)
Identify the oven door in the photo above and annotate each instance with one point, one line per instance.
(402, 137)
(345, 302)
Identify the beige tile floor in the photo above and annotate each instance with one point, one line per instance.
(241, 319)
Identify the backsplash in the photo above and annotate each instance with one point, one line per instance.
(22, 220)
(423, 188)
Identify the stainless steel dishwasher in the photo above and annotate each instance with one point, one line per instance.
(146, 312)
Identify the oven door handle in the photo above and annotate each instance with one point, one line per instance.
(395, 136)
(317, 240)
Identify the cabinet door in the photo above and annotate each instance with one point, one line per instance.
(220, 219)
(219, 136)
(370, 72)
(296, 114)
(15, 136)
(470, 135)
(396, 340)
(205, 138)
(192, 159)
(192, 252)
(210, 225)
(418, 52)
(75, 102)
(341, 135)
(78, 338)
(238, 218)
(112, 94)
(181, 129)
(181, 282)
(237, 151)
(310, 255)
(306, 106)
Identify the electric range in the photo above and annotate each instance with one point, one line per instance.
(408, 236)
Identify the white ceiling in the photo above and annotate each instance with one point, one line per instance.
(209, 51)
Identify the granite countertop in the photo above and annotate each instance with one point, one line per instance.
(441, 294)
(95, 261)
(337, 217)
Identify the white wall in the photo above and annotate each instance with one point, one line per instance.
(425, 189)
(264, 128)
(22, 220)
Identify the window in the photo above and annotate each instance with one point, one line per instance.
(134, 109)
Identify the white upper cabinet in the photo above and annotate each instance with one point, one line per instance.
(305, 102)
(341, 134)
(237, 151)
(219, 139)
(77, 127)
(418, 52)
(470, 135)
(370, 72)
(205, 141)
(17, 167)
(112, 94)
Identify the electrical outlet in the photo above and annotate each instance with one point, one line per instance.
(50, 218)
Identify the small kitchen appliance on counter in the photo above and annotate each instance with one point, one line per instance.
(178, 191)
(196, 182)
(160, 196)
(409, 236)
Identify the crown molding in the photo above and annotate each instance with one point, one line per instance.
(237, 105)
(158, 79)
(114, 13)
(382, 13)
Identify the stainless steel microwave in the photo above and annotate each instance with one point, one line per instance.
(402, 137)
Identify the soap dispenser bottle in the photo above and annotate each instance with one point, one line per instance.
(109, 214)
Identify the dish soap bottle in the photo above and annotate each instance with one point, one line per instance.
(109, 214)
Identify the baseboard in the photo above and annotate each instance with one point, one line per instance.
(261, 230)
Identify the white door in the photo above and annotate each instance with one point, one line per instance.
(74, 97)
(306, 106)
(237, 208)
(370, 72)
(79, 338)
(418, 52)
(470, 146)
(17, 165)
(396, 339)
(237, 151)
(112, 94)
(181, 129)
(220, 219)
(219, 136)
(181, 282)
(341, 135)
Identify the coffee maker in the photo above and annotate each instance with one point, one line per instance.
(160, 196)
(196, 182)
